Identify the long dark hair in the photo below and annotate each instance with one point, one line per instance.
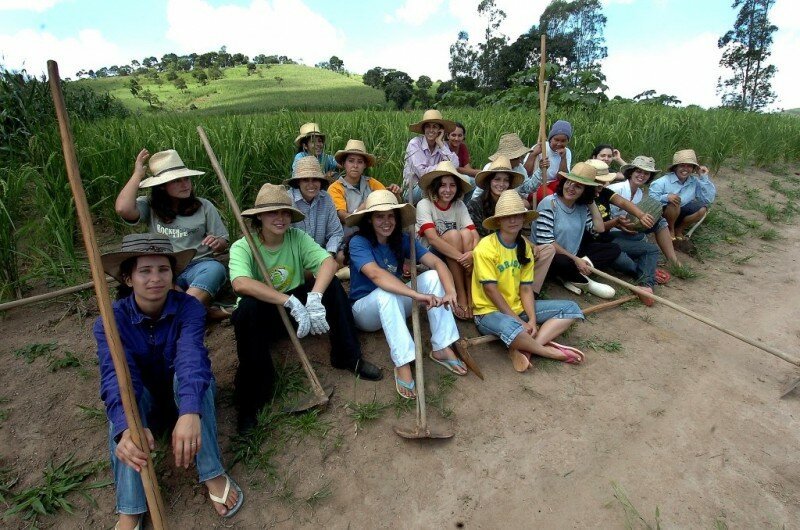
(587, 197)
(599, 148)
(394, 241)
(522, 247)
(161, 204)
(487, 202)
(433, 188)
(126, 271)
(304, 143)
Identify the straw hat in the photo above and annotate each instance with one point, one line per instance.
(445, 167)
(307, 168)
(354, 147)
(642, 162)
(432, 115)
(501, 164)
(509, 203)
(166, 166)
(511, 147)
(383, 201)
(272, 197)
(582, 173)
(684, 156)
(148, 244)
(602, 171)
(307, 129)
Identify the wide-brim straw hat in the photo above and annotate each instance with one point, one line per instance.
(511, 147)
(509, 203)
(645, 163)
(432, 115)
(582, 173)
(272, 197)
(445, 167)
(148, 244)
(602, 171)
(501, 164)
(354, 147)
(307, 168)
(684, 156)
(308, 129)
(383, 201)
(166, 166)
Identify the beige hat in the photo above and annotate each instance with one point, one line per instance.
(383, 201)
(445, 167)
(307, 168)
(684, 156)
(582, 173)
(642, 162)
(432, 115)
(354, 147)
(511, 147)
(147, 244)
(272, 197)
(166, 166)
(509, 203)
(308, 129)
(602, 171)
(501, 164)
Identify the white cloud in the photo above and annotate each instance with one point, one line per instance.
(27, 5)
(414, 12)
(520, 16)
(405, 55)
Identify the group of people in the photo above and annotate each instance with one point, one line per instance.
(485, 239)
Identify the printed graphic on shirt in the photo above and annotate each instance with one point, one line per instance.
(174, 233)
(508, 264)
(280, 277)
(443, 225)
(603, 211)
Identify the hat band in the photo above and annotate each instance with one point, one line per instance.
(151, 248)
(269, 204)
(384, 204)
(169, 169)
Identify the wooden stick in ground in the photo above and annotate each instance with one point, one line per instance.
(769, 349)
(155, 503)
(22, 302)
(316, 386)
(543, 111)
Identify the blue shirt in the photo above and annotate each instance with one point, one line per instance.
(326, 161)
(362, 253)
(561, 224)
(157, 351)
(695, 187)
(321, 221)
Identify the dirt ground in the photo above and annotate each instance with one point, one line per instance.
(684, 421)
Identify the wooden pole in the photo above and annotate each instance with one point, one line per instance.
(49, 296)
(543, 111)
(155, 503)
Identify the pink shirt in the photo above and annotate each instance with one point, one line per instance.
(420, 159)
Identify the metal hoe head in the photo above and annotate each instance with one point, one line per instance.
(310, 400)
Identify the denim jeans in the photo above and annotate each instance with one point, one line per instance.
(639, 257)
(130, 492)
(507, 327)
(205, 274)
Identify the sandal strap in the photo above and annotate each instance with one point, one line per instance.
(408, 386)
(224, 499)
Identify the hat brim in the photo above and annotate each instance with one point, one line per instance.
(419, 127)
(340, 157)
(511, 155)
(112, 261)
(579, 179)
(301, 136)
(297, 215)
(426, 179)
(483, 178)
(628, 168)
(408, 214)
(606, 179)
(294, 182)
(493, 222)
(149, 182)
(695, 164)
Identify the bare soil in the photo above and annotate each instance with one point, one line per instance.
(684, 419)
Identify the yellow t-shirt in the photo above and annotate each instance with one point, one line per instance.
(493, 262)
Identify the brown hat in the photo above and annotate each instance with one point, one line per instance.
(148, 244)
(511, 147)
(272, 197)
(509, 203)
(383, 201)
(582, 173)
(684, 156)
(166, 166)
(645, 163)
(602, 171)
(354, 147)
(307, 168)
(432, 115)
(501, 164)
(445, 167)
(306, 130)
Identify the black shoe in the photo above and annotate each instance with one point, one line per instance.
(366, 370)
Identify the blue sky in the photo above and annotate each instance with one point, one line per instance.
(666, 45)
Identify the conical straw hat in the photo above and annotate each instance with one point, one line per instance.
(166, 166)
(354, 147)
(383, 201)
(432, 115)
(272, 197)
(509, 203)
(501, 164)
(511, 147)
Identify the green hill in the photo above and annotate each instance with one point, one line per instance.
(285, 86)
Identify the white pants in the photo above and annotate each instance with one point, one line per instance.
(381, 309)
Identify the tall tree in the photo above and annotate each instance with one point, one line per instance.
(489, 51)
(575, 38)
(746, 49)
(463, 59)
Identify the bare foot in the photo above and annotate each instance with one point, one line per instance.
(447, 354)
(216, 486)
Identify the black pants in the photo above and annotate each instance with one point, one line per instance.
(601, 254)
(257, 325)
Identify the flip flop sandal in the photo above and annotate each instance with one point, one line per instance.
(519, 360)
(399, 383)
(461, 313)
(574, 355)
(138, 523)
(229, 482)
(450, 364)
(662, 276)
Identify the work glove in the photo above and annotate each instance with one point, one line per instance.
(300, 315)
(316, 312)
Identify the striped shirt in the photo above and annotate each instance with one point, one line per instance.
(561, 224)
(321, 221)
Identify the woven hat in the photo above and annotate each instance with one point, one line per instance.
(432, 115)
(148, 244)
(308, 129)
(166, 166)
(272, 197)
(511, 147)
(307, 168)
(383, 201)
(645, 163)
(445, 167)
(684, 156)
(354, 147)
(582, 173)
(509, 203)
(501, 164)
(602, 171)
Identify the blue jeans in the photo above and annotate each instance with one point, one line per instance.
(205, 274)
(507, 327)
(130, 492)
(639, 257)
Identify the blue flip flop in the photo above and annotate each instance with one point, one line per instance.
(229, 483)
(398, 383)
(450, 364)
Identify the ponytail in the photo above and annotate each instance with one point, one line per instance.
(522, 249)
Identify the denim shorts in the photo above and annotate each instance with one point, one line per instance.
(690, 209)
(507, 327)
(205, 274)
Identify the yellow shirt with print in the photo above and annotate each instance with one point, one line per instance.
(493, 262)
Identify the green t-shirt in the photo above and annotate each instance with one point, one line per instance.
(286, 265)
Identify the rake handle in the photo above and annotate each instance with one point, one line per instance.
(422, 413)
(543, 109)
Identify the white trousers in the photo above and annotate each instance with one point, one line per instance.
(381, 309)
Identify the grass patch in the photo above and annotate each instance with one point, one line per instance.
(69, 360)
(402, 405)
(31, 352)
(769, 234)
(684, 272)
(741, 260)
(633, 519)
(545, 365)
(611, 346)
(438, 397)
(362, 413)
(93, 415)
(320, 495)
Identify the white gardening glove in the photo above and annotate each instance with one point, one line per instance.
(300, 314)
(316, 312)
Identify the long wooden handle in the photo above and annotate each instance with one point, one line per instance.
(155, 503)
(422, 413)
(316, 386)
(543, 110)
(705, 320)
(22, 302)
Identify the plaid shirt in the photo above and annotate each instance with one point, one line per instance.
(321, 221)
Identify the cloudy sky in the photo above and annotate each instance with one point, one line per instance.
(666, 45)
